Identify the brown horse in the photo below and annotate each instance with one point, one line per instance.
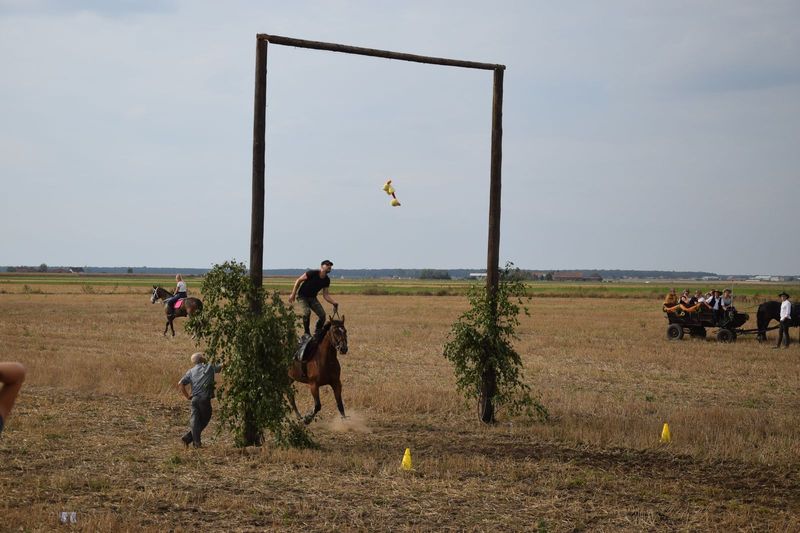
(322, 367)
(189, 306)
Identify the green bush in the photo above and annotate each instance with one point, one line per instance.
(487, 366)
(255, 350)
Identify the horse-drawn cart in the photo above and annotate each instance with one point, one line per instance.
(696, 319)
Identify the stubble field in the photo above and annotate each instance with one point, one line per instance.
(96, 428)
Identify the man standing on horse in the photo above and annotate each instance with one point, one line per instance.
(305, 290)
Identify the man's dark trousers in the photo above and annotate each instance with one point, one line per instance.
(308, 305)
(201, 416)
(783, 333)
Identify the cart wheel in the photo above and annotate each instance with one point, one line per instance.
(674, 332)
(699, 333)
(726, 335)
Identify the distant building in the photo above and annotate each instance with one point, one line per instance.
(477, 275)
(763, 277)
(576, 276)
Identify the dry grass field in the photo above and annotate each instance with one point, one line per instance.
(96, 428)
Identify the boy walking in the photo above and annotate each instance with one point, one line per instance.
(201, 379)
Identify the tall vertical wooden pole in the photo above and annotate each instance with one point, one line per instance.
(493, 255)
(489, 373)
(259, 142)
(252, 435)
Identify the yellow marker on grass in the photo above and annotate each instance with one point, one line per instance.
(665, 434)
(406, 464)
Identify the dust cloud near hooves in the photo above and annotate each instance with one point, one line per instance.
(354, 422)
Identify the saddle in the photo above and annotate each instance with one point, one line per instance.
(305, 347)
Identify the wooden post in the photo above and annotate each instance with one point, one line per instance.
(489, 376)
(259, 141)
(493, 254)
(252, 435)
(371, 52)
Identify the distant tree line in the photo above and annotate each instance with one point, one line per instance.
(378, 273)
(431, 273)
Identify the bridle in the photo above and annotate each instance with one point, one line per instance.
(155, 295)
(339, 338)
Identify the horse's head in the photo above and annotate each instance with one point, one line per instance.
(338, 335)
(154, 296)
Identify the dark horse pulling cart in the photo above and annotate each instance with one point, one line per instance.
(769, 311)
(694, 320)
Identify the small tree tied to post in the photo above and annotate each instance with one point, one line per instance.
(255, 350)
(487, 367)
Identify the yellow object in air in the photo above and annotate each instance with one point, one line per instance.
(406, 464)
(665, 434)
(387, 187)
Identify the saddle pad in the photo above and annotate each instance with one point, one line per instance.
(303, 348)
(178, 304)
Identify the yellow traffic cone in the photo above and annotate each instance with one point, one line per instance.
(665, 435)
(406, 464)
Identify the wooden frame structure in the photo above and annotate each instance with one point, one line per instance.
(259, 145)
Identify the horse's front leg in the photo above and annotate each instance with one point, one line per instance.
(172, 327)
(337, 393)
(166, 327)
(317, 405)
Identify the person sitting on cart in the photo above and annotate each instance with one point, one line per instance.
(696, 298)
(672, 299)
(703, 298)
(684, 299)
(726, 302)
(715, 304)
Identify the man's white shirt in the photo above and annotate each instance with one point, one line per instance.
(786, 309)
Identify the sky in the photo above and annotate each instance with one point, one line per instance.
(636, 135)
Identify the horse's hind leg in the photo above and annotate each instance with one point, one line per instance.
(294, 405)
(337, 393)
(317, 405)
